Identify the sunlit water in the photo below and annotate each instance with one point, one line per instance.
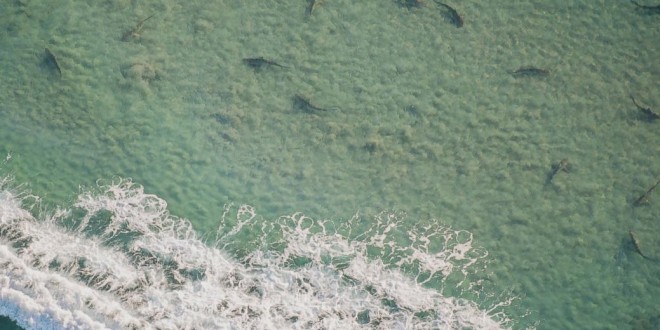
(425, 119)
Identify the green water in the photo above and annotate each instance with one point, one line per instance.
(8, 324)
(426, 119)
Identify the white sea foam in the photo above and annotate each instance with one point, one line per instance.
(118, 260)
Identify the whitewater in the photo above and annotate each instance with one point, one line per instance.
(117, 259)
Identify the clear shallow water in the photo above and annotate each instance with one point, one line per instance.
(430, 124)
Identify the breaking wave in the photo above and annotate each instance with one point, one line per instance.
(117, 259)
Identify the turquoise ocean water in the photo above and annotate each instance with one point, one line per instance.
(159, 181)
